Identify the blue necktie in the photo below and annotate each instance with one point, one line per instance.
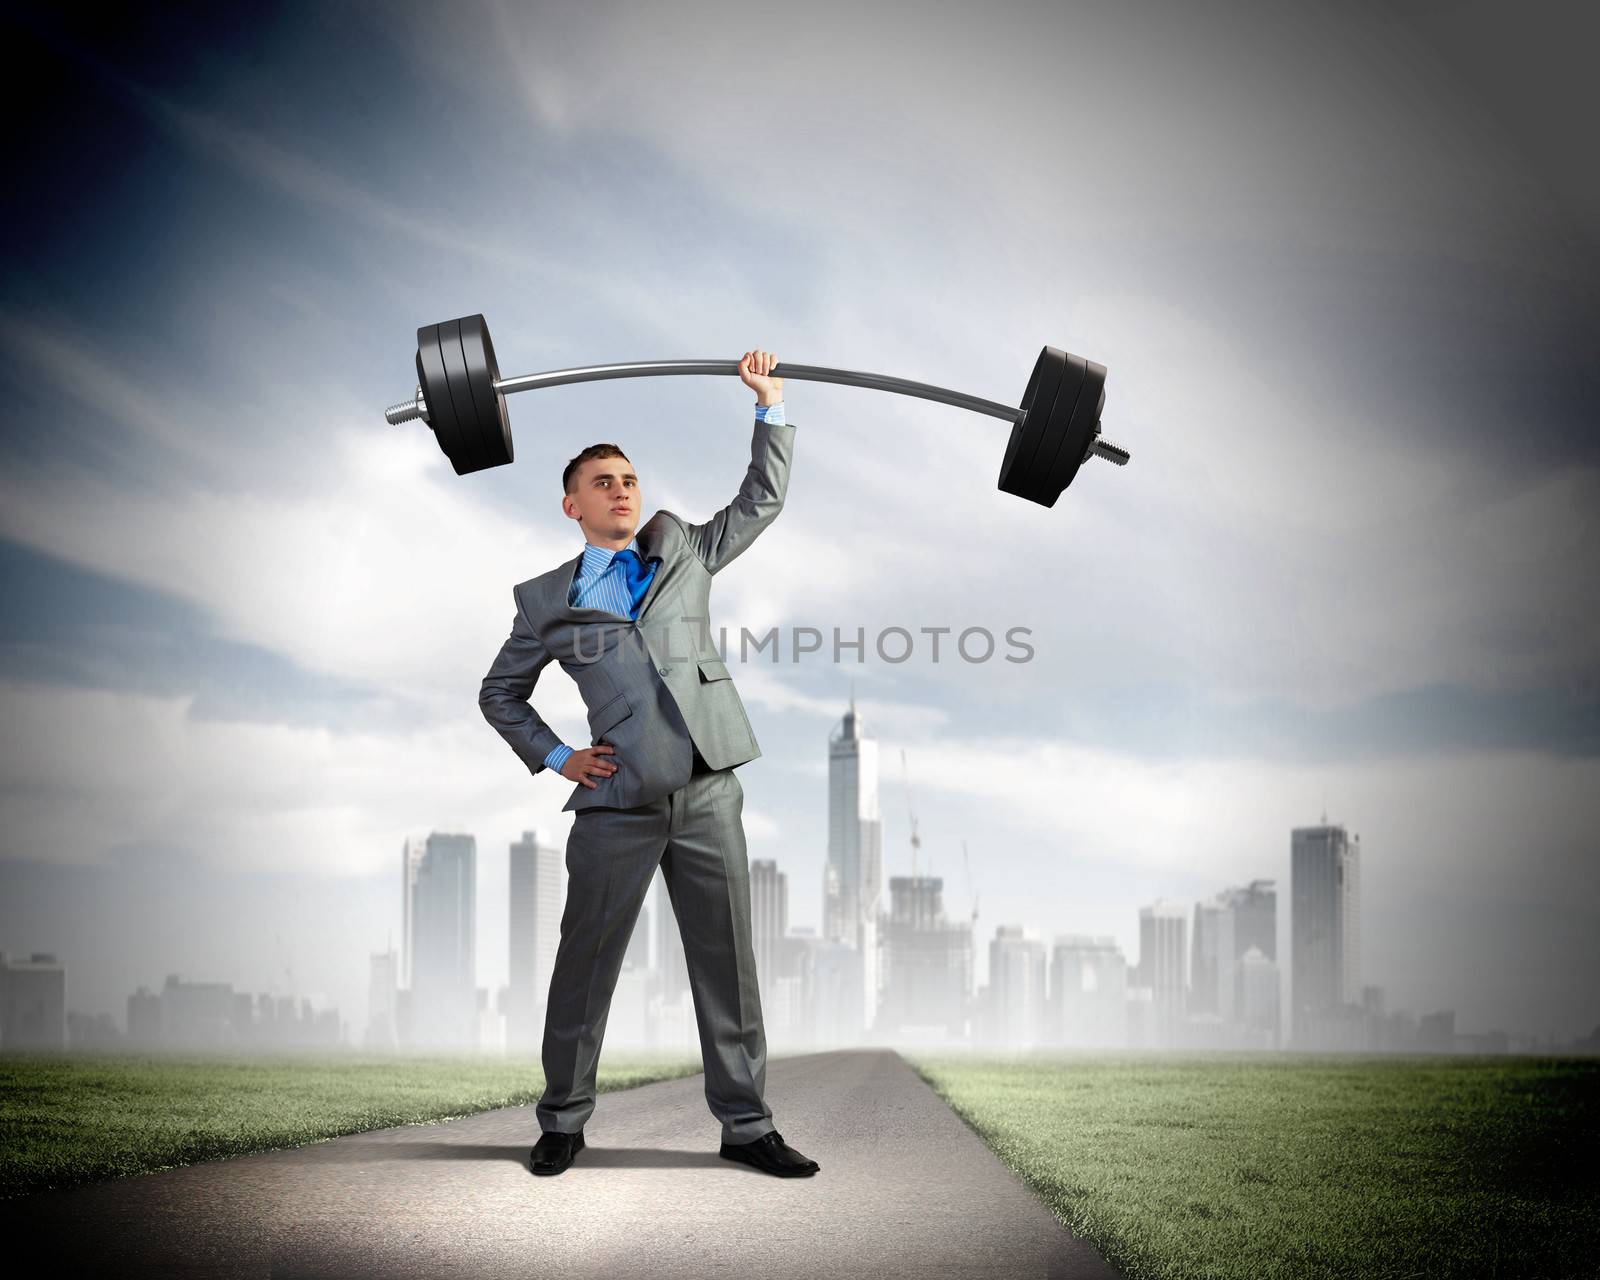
(636, 575)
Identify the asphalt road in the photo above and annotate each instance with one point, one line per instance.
(905, 1189)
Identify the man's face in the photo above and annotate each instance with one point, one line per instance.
(605, 500)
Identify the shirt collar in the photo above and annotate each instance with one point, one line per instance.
(598, 559)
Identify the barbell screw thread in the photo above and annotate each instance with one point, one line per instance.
(407, 411)
(1110, 452)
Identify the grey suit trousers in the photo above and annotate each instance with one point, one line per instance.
(696, 835)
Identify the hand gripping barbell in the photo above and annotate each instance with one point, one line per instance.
(461, 395)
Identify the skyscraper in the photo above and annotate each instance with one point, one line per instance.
(383, 989)
(855, 852)
(1088, 993)
(1164, 964)
(769, 916)
(1255, 917)
(198, 1015)
(927, 987)
(1016, 988)
(1258, 986)
(1255, 924)
(1213, 967)
(33, 1002)
(144, 1019)
(1325, 925)
(832, 904)
(411, 851)
(533, 932)
(444, 1007)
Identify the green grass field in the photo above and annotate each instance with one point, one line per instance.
(66, 1120)
(1251, 1165)
(1263, 1166)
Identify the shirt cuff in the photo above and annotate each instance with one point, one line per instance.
(557, 757)
(772, 413)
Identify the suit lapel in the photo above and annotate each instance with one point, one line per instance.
(650, 545)
(561, 579)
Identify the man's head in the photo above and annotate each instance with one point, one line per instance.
(602, 495)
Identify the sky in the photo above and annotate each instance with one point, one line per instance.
(1339, 260)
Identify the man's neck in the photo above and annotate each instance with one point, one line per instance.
(609, 544)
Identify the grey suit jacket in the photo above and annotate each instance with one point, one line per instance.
(654, 687)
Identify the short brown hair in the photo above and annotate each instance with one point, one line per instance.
(593, 451)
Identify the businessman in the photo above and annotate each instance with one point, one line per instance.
(628, 619)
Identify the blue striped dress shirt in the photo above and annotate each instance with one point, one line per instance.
(601, 584)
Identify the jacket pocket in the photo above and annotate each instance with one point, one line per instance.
(609, 715)
(713, 669)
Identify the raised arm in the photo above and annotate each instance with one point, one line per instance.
(503, 696)
(721, 539)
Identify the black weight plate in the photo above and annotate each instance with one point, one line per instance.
(436, 391)
(1046, 371)
(479, 402)
(1074, 428)
(1031, 480)
(488, 404)
(440, 437)
(1028, 396)
(1024, 440)
(468, 436)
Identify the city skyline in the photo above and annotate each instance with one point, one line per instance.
(1206, 973)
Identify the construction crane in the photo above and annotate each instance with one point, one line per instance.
(911, 812)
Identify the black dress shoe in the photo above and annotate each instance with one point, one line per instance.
(554, 1151)
(771, 1154)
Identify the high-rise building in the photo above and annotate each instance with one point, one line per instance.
(1164, 965)
(769, 916)
(927, 961)
(1017, 965)
(412, 850)
(1164, 954)
(33, 1002)
(1258, 986)
(1325, 927)
(444, 1009)
(1255, 924)
(212, 1015)
(832, 903)
(199, 1015)
(855, 850)
(533, 933)
(383, 991)
(1255, 917)
(784, 1009)
(144, 1019)
(1088, 993)
(832, 993)
(1213, 968)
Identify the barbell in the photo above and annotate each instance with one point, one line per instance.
(462, 397)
